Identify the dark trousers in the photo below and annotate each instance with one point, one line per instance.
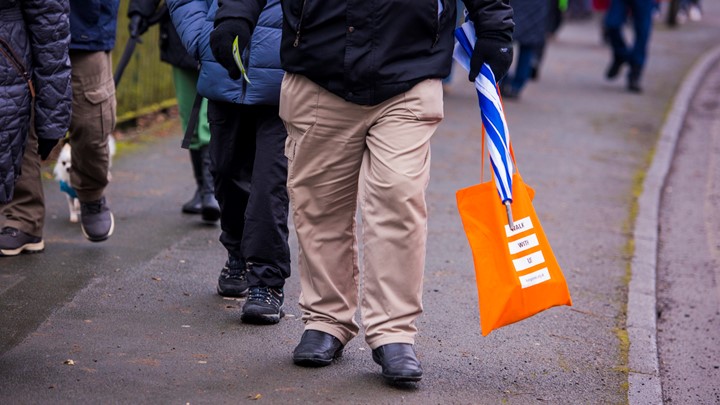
(249, 167)
(641, 13)
(524, 65)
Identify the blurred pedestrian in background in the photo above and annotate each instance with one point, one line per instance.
(185, 69)
(530, 18)
(624, 53)
(360, 113)
(35, 104)
(460, 19)
(689, 10)
(555, 15)
(247, 159)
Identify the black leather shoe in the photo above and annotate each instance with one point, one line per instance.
(317, 349)
(399, 362)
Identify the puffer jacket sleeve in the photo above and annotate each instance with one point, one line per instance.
(48, 25)
(189, 18)
(492, 18)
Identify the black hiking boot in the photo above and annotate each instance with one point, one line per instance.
(263, 306)
(233, 279)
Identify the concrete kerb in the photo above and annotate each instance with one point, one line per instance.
(644, 373)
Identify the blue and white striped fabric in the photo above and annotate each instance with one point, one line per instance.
(491, 112)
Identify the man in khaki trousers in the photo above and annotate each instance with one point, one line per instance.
(360, 102)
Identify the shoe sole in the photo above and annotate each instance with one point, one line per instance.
(26, 248)
(314, 361)
(100, 238)
(261, 319)
(231, 293)
(397, 379)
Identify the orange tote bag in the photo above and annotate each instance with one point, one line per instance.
(516, 271)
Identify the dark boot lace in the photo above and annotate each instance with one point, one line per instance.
(8, 230)
(234, 270)
(229, 273)
(92, 207)
(268, 295)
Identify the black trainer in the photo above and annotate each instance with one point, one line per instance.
(614, 69)
(96, 220)
(263, 306)
(233, 279)
(14, 241)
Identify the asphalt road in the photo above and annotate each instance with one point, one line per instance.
(688, 271)
(140, 320)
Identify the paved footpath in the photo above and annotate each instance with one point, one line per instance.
(140, 320)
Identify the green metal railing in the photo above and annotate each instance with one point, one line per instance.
(146, 84)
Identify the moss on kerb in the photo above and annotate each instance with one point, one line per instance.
(622, 335)
(628, 253)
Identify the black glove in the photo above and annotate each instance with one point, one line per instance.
(138, 25)
(496, 53)
(221, 42)
(45, 146)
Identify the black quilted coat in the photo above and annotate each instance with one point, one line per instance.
(34, 40)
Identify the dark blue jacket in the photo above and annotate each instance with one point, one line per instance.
(93, 24)
(34, 39)
(172, 50)
(193, 20)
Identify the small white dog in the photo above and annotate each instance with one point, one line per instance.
(62, 170)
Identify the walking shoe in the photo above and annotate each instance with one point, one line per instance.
(209, 208)
(14, 241)
(263, 306)
(614, 69)
(633, 85)
(399, 362)
(194, 205)
(233, 279)
(633, 79)
(317, 349)
(96, 220)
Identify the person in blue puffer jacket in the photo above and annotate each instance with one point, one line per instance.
(34, 76)
(247, 158)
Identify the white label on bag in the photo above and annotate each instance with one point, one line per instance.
(535, 278)
(525, 262)
(520, 225)
(521, 244)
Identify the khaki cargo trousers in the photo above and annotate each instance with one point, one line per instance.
(340, 155)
